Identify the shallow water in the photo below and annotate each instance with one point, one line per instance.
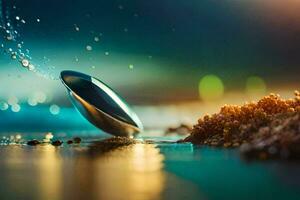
(141, 171)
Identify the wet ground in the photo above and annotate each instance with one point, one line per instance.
(156, 170)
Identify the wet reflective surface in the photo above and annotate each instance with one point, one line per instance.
(140, 171)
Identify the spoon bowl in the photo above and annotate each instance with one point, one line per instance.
(100, 105)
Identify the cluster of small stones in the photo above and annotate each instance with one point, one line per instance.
(252, 125)
(35, 142)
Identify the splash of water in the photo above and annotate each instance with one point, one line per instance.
(12, 43)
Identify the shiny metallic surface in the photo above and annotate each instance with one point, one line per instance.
(100, 105)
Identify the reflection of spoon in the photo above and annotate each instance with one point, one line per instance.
(100, 104)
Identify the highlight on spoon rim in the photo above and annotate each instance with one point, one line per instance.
(123, 111)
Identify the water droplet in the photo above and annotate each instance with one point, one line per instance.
(31, 67)
(76, 27)
(96, 39)
(25, 63)
(17, 18)
(38, 20)
(9, 37)
(14, 55)
(23, 21)
(89, 48)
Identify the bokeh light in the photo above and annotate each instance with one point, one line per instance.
(54, 109)
(211, 87)
(255, 86)
(3, 105)
(15, 108)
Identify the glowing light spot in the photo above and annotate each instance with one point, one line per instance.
(89, 48)
(40, 97)
(96, 39)
(48, 137)
(255, 86)
(38, 20)
(12, 100)
(76, 28)
(25, 63)
(211, 88)
(17, 18)
(18, 137)
(32, 102)
(15, 108)
(54, 109)
(131, 66)
(3, 105)
(106, 53)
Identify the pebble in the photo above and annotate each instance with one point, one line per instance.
(70, 142)
(57, 143)
(77, 140)
(33, 142)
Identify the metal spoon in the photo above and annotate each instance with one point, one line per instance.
(100, 105)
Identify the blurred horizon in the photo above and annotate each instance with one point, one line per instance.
(156, 52)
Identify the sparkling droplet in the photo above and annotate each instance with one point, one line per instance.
(76, 27)
(13, 55)
(17, 18)
(96, 39)
(89, 48)
(9, 37)
(31, 67)
(25, 63)
(38, 20)
(23, 21)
